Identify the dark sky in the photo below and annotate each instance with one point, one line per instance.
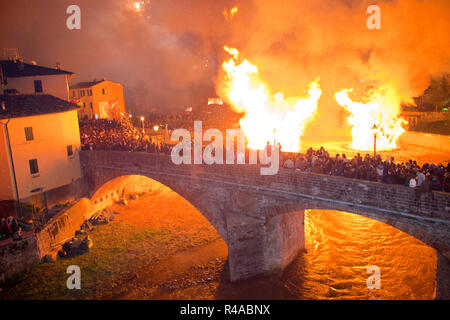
(169, 54)
(157, 53)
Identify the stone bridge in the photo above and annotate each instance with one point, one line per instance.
(261, 218)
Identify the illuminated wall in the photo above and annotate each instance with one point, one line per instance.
(6, 185)
(53, 133)
(107, 100)
(56, 85)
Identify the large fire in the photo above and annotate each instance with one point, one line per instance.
(268, 117)
(378, 114)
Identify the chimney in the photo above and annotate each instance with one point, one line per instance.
(58, 66)
(20, 64)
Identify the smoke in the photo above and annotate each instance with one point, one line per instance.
(293, 42)
(164, 53)
(168, 53)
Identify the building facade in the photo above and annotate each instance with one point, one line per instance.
(39, 150)
(102, 99)
(24, 78)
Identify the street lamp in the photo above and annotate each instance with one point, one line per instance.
(156, 128)
(374, 132)
(143, 128)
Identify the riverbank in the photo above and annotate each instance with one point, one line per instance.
(125, 251)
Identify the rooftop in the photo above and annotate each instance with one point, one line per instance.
(15, 69)
(25, 105)
(87, 84)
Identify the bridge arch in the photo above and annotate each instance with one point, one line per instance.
(132, 185)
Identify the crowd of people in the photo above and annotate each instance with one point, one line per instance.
(9, 227)
(429, 177)
(117, 136)
(122, 136)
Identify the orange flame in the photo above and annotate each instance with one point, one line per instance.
(378, 114)
(268, 117)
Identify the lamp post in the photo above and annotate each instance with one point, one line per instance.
(143, 128)
(374, 132)
(156, 128)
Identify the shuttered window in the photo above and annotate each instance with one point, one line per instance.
(29, 134)
(34, 166)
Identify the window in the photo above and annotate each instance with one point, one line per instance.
(90, 92)
(37, 86)
(34, 166)
(91, 105)
(104, 91)
(29, 134)
(70, 150)
(84, 104)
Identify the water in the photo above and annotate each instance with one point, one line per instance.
(340, 246)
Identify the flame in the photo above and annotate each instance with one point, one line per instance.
(229, 15)
(381, 109)
(268, 117)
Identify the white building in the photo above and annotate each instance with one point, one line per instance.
(24, 78)
(39, 145)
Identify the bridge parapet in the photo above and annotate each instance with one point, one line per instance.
(287, 183)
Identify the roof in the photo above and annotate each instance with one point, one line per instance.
(15, 69)
(25, 105)
(87, 84)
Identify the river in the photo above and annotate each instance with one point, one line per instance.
(339, 248)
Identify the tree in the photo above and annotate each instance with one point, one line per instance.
(438, 92)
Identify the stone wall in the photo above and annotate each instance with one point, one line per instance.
(108, 165)
(413, 117)
(62, 227)
(426, 140)
(443, 277)
(17, 256)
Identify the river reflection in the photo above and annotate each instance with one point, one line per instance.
(340, 246)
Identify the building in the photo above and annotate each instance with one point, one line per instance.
(39, 150)
(101, 99)
(24, 78)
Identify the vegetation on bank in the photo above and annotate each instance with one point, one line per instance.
(105, 266)
(123, 252)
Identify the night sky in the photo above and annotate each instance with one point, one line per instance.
(168, 53)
